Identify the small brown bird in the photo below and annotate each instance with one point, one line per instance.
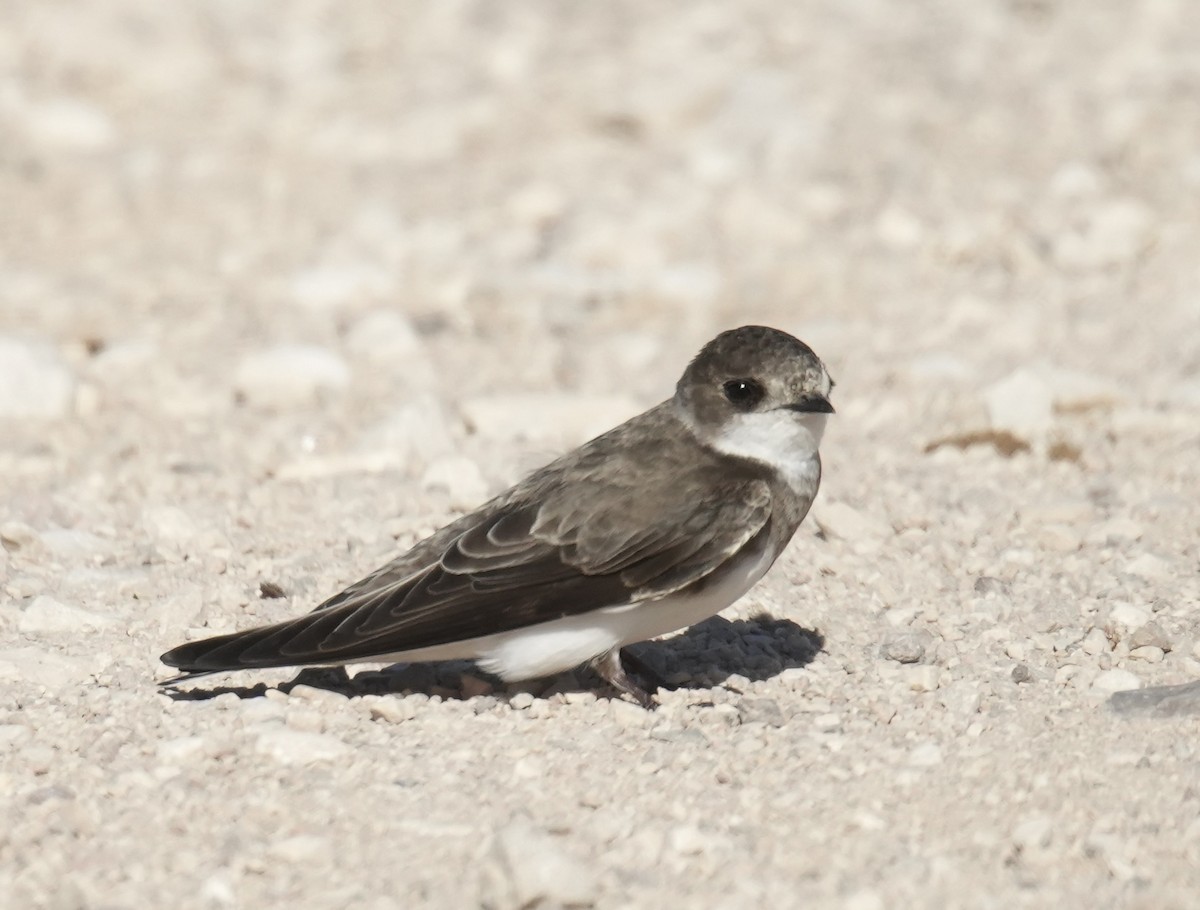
(653, 526)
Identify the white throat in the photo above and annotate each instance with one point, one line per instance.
(781, 439)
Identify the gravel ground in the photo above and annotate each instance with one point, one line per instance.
(285, 286)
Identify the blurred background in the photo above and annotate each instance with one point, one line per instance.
(556, 196)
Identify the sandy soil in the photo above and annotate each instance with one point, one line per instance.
(284, 286)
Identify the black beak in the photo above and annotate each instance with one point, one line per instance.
(811, 404)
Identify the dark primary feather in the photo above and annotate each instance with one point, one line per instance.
(600, 527)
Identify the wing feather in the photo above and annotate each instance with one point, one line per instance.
(549, 550)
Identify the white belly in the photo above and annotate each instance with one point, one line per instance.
(561, 644)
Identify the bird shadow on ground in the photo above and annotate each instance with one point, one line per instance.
(702, 657)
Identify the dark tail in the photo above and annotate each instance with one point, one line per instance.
(291, 643)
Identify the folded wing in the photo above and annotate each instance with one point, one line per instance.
(523, 563)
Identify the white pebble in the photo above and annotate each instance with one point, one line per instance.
(1021, 403)
(182, 749)
(1096, 642)
(47, 615)
(12, 735)
(1149, 567)
(1034, 832)
(839, 521)
(521, 701)
(923, 678)
(390, 709)
(925, 755)
(69, 124)
(1148, 653)
(295, 747)
(460, 477)
(528, 867)
(329, 287)
(688, 840)
(1124, 618)
(386, 336)
(290, 375)
(18, 535)
(1116, 681)
(299, 849)
(53, 671)
(34, 381)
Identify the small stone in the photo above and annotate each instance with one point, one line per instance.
(16, 535)
(1076, 180)
(182, 749)
(1148, 653)
(1149, 567)
(386, 336)
(70, 124)
(865, 899)
(827, 722)
(688, 840)
(1021, 673)
(907, 646)
(1058, 538)
(47, 615)
(12, 735)
(987, 585)
(73, 543)
(521, 701)
(961, 697)
(627, 714)
(1034, 832)
(42, 668)
(1115, 531)
(34, 381)
(392, 710)
(1125, 618)
(316, 695)
(300, 849)
(460, 477)
(527, 867)
(580, 698)
(1021, 403)
(761, 710)
(295, 747)
(1096, 642)
(330, 287)
(1016, 650)
(169, 525)
(839, 521)
(925, 755)
(1116, 680)
(290, 376)
(923, 677)
(899, 229)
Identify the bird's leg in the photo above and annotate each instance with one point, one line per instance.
(609, 667)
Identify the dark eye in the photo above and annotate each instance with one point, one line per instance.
(743, 393)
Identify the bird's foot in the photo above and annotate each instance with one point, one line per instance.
(612, 669)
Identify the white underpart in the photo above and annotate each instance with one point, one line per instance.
(784, 440)
(561, 644)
